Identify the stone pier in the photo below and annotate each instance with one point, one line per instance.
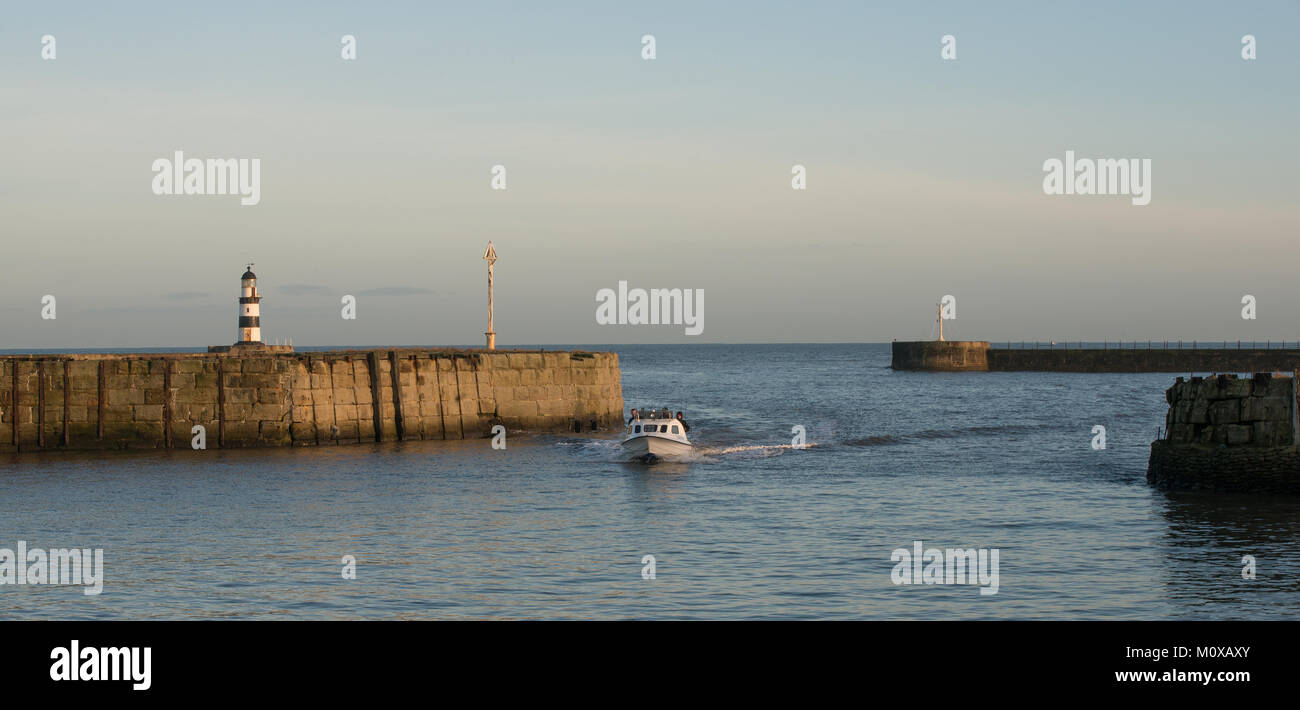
(118, 401)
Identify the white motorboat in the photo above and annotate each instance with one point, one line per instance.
(656, 436)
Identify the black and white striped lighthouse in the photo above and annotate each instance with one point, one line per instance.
(250, 314)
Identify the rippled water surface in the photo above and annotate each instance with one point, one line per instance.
(556, 526)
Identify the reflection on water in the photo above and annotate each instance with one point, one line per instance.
(556, 526)
(1208, 534)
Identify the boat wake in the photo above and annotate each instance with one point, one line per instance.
(610, 451)
(761, 449)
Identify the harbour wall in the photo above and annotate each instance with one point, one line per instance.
(968, 356)
(942, 356)
(120, 401)
(1227, 433)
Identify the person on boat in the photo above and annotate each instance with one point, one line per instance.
(635, 416)
(685, 427)
(665, 414)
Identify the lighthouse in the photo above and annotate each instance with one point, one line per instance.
(250, 315)
(250, 321)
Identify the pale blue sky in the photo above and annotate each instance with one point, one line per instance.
(924, 175)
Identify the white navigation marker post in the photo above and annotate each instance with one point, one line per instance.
(940, 314)
(490, 256)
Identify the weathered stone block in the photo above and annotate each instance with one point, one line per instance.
(518, 409)
(302, 431)
(206, 381)
(147, 412)
(1200, 412)
(82, 435)
(1225, 411)
(365, 429)
(256, 365)
(192, 367)
(118, 412)
(85, 383)
(264, 381)
(1237, 434)
(124, 396)
(194, 396)
(238, 411)
(274, 412)
(506, 378)
(240, 433)
(78, 414)
(1265, 409)
(84, 399)
(147, 434)
(116, 430)
(323, 414)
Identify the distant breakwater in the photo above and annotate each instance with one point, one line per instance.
(121, 401)
(977, 355)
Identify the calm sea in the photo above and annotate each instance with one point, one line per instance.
(558, 526)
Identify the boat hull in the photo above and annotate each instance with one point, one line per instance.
(654, 448)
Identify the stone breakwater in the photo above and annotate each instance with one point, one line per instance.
(1229, 434)
(941, 356)
(977, 355)
(119, 401)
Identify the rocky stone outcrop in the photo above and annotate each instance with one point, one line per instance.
(1226, 433)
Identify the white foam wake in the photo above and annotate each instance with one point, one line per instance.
(772, 448)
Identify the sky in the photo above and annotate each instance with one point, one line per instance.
(924, 175)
